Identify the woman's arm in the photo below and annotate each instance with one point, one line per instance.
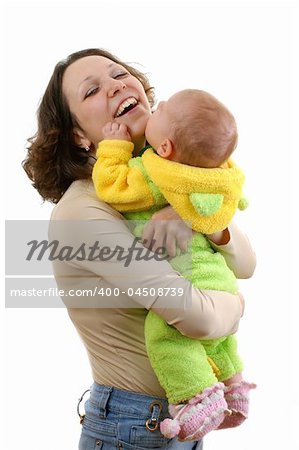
(168, 229)
(132, 268)
(235, 247)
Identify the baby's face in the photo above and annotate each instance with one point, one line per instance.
(161, 123)
(158, 125)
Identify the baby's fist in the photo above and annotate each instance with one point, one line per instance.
(114, 130)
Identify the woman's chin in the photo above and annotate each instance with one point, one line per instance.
(137, 127)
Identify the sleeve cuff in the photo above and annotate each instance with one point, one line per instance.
(120, 150)
(227, 248)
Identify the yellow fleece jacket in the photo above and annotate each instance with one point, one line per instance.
(208, 198)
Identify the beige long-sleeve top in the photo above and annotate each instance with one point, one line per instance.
(112, 326)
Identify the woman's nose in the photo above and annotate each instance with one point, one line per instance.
(115, 86)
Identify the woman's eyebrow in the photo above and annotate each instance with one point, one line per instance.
(86, 79)
(92, 76)
(83, 81)
(114, 65)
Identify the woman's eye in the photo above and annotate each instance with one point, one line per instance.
(91, 91)
(121, 74)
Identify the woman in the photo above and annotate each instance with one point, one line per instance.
(87, 90)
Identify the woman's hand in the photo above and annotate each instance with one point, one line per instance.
(166, 229)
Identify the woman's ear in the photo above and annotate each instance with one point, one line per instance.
(165, 149)
(80, 138)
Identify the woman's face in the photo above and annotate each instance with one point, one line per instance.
(97, 90)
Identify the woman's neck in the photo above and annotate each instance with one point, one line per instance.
(138, 145)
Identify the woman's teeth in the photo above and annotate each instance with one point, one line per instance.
(128, 103)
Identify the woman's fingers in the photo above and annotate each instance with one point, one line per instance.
(153, 236)
(168, 234)
(170, 244)
(147, 234)
(159, 236)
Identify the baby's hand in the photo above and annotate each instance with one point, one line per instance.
(114, 130)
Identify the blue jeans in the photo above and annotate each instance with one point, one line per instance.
(122, 420)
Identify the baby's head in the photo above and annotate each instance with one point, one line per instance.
(193, 128)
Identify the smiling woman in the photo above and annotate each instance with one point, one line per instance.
(68, 115)
(87, 90)
(93, 102)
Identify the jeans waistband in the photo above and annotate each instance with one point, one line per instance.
(108, 398)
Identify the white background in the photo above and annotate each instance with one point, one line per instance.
(245, 54)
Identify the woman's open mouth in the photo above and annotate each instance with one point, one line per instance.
(126, 106)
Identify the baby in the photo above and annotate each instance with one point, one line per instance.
(192, 128)
(193, 136)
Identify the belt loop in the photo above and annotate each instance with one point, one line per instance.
(103, 400)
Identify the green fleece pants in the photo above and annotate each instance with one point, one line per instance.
(186, 366)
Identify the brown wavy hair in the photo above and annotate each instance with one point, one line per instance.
(53, 160)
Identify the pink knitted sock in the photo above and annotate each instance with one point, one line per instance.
(237, 398)
(202, 414)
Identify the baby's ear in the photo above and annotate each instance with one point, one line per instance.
(165, 149)
(206, 204)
